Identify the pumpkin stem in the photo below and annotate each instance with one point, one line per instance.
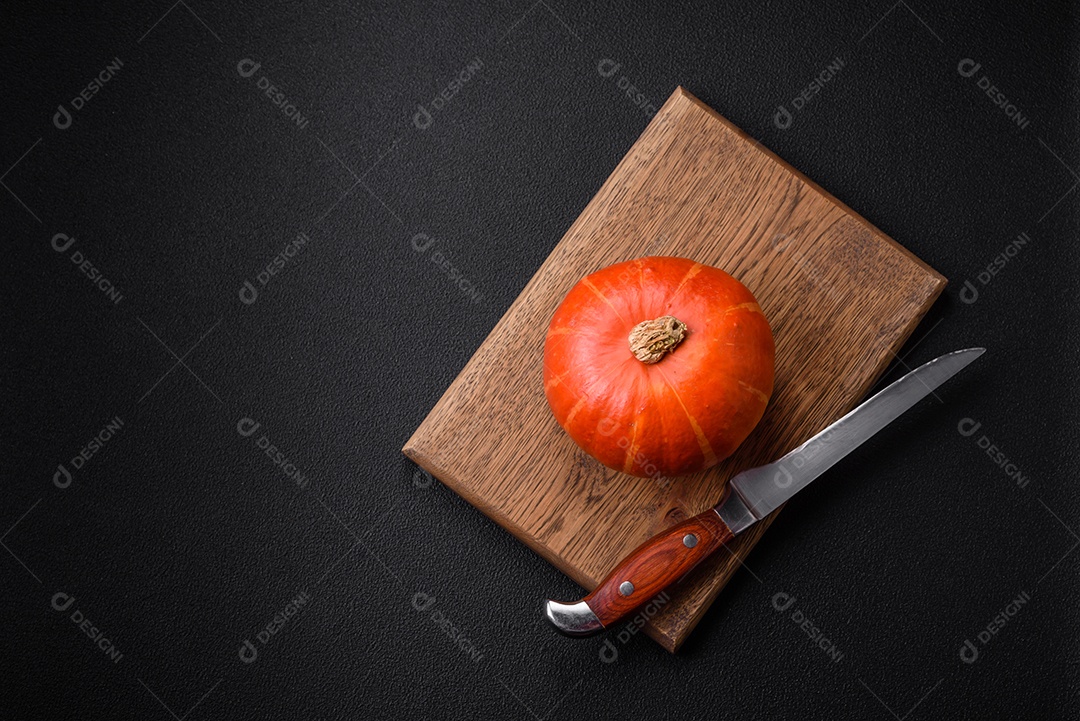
(651, 340)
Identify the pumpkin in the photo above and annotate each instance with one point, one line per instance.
(658, 366)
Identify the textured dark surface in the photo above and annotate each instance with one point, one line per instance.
(179, 180)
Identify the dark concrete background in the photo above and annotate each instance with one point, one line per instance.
(179, 539)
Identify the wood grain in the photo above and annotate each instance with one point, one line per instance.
(841, 298)
(654, 565)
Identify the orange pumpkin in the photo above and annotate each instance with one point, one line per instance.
(658, 366)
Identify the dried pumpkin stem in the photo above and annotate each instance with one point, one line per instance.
(651, 340)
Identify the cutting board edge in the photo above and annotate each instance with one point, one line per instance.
(895, 245)
(420, 458)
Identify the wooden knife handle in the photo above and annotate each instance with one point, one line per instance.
(653, 566)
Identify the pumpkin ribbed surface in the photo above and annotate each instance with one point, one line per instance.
(658, 366)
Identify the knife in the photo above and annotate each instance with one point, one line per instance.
(749, 497)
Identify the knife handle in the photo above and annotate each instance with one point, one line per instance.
(653, 566)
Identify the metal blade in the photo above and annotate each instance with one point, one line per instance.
(766, 488)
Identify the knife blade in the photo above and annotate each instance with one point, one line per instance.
(749, 497)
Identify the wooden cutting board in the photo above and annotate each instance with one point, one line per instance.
(840, 295)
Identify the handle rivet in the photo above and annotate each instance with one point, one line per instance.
(626, 588)
(689, 540)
